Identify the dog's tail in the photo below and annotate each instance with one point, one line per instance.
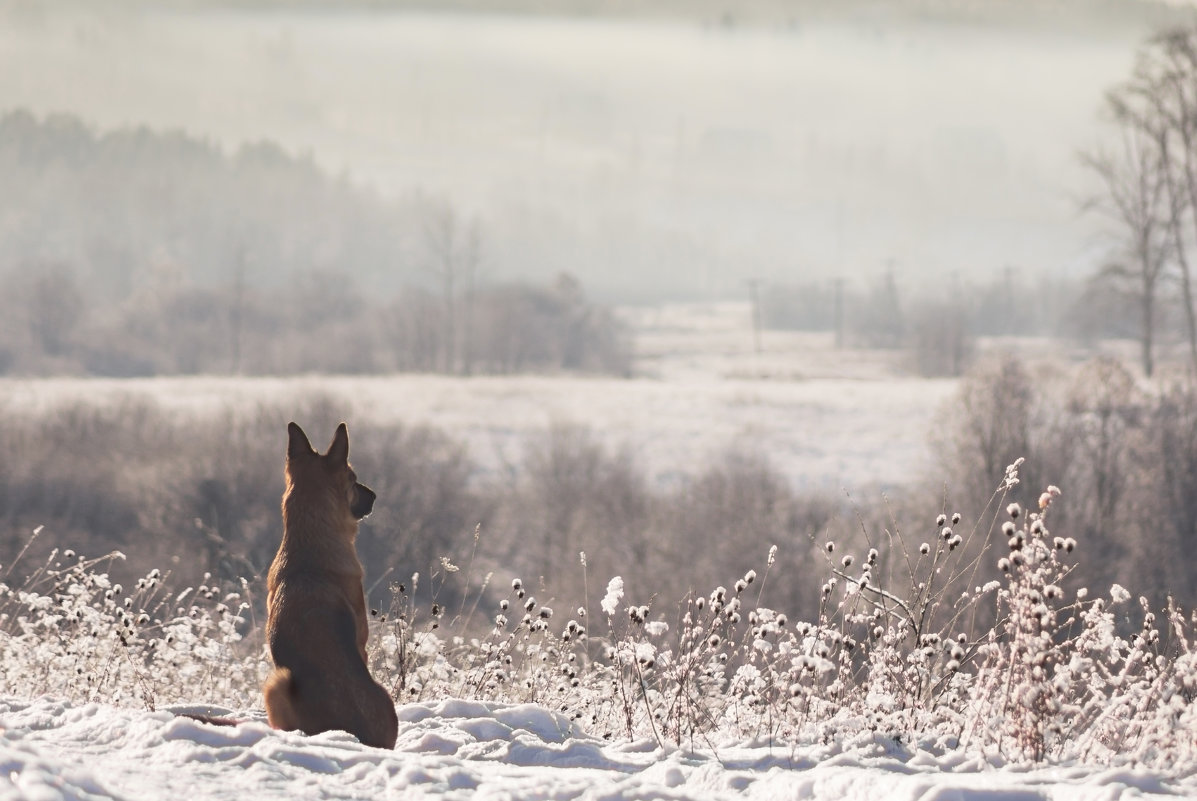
(213, 716)
(212, 720)
(277, 692)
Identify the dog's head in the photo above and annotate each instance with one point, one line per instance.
(330, 472)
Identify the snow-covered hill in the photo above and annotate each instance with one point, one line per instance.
(459, 750)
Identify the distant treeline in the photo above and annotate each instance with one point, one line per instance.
(135, 252)
(939, 325)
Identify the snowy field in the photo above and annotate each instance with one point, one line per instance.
(827, 419)
(464, 750)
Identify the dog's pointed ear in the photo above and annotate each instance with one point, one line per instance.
(338, 451)
(297, 442)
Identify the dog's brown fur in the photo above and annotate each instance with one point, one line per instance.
(316, 623)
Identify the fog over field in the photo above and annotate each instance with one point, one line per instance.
(650, 157)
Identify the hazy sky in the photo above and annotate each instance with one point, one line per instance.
(646, 157)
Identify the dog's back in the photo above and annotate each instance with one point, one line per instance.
(316, 625)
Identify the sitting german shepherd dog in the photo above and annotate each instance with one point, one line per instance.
(316, 624)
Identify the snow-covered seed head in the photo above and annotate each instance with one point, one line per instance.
(847, 561)
(714, 641)
(925, 549)
(1014, 510)
(830, 546)
(946, 533)
(955, 518)
(741, 585)
(517, 585)
(750, 577)
(941, 521)
(1004, 565)
(872, 557)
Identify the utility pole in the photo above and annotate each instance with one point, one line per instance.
(838, 312)
(754, 291)
(238, 312)
(895, 325)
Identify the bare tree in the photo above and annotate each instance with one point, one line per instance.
(1136, 199)
(453, 248)
(1160, 104)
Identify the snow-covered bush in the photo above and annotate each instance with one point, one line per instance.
(912, 645)
(69, 631)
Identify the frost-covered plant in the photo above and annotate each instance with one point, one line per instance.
(69, 630)
(1019, 666)
(1018, 698)
(914, 644)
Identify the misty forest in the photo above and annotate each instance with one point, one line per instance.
(885, 311)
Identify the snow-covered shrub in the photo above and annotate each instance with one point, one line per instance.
(1018, 700)
(69, 631)
(912, 646)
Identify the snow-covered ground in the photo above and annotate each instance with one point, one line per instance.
(465, 750)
